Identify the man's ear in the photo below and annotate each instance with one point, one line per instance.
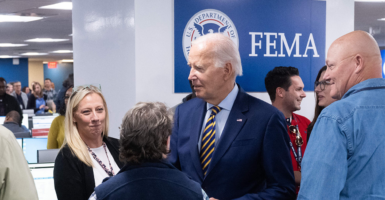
(358, 63)
(228, 71)
(279, 92)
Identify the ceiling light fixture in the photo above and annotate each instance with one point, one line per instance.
(8, 56)
(67, 60)
(62, 51)
(45, 40)
(12, 45)
(59, 6)
(33, 54)
(382, 19)
(369, 0)
(17, 18)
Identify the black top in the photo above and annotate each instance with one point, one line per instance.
(75, 180)
(10, 103)
(32, 102)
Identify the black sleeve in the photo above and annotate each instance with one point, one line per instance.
(68, 180)
(32, 103)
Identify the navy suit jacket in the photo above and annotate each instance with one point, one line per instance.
(252, 159)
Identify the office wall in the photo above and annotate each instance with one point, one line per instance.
(35, 72)
(58, 74)
(12, 72)
(154, 53)
(104, 46)
(128, 47)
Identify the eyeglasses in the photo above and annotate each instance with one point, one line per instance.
(66, 97)
(322, 84)
(298, 138)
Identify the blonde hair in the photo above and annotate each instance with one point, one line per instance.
(72, 137)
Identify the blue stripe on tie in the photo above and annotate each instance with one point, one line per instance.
(208, 140)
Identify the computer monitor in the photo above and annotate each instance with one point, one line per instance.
(42, 121)
(2, 119)
(30, 147)
(47, 155)
(43, 176)
(20, 141)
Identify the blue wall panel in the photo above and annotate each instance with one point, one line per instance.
(59, 74)
(12, 72)
(383, 63)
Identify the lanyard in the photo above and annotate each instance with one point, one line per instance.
(297, 155)
(109, 172)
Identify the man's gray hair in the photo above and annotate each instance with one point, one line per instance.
(144, 133)
(224, 49)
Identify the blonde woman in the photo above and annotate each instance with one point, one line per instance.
(88, 154)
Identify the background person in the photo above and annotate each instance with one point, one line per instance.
(11, 122)
(8, 102)
(9, 88)
(345, 157)
(323, 98)
(233, 144)
(37, 101)
(19, 95)
(88, 154)
(147, 175)
(285, 88)
(16, 181)
(48, 90)
(27, 91)
(69, 82)
(56, 131)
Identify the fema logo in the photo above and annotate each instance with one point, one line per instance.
(206, 22)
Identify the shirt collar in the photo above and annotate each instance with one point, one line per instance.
(228, 102)
(373, 83)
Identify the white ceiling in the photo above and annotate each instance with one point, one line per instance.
(58, 24)
(366, 15)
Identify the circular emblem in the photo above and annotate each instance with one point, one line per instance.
(205, 22)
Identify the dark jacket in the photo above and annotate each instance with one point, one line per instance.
(74, 180)
(32, 102)
(17, 130)
(148, 181)
(12, 104)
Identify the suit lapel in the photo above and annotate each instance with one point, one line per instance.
(197, 120)
(233, 126)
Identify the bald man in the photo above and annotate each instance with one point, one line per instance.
(345, 157)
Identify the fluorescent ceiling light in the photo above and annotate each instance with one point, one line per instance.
(33, 54)
(62, 51)
(46, 40)
(8, 56)
(17, 18)
(59, 6)
(71, 34)
(45, 62)
(369, 0)
(67, 60)
(12, 45)
(382, 19)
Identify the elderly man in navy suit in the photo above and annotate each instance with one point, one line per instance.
(233, 144)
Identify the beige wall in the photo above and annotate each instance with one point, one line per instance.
(35, 72)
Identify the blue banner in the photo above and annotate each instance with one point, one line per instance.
(383, 62)
(269, 33)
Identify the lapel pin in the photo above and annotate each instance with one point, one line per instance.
(239, 120)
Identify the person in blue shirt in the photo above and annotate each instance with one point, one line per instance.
(37, 101)
(345, 158)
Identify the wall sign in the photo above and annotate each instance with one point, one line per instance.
(269, 33)
(52, 65)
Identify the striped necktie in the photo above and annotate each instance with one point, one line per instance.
(208, 140)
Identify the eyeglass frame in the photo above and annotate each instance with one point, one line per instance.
(321, 83)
